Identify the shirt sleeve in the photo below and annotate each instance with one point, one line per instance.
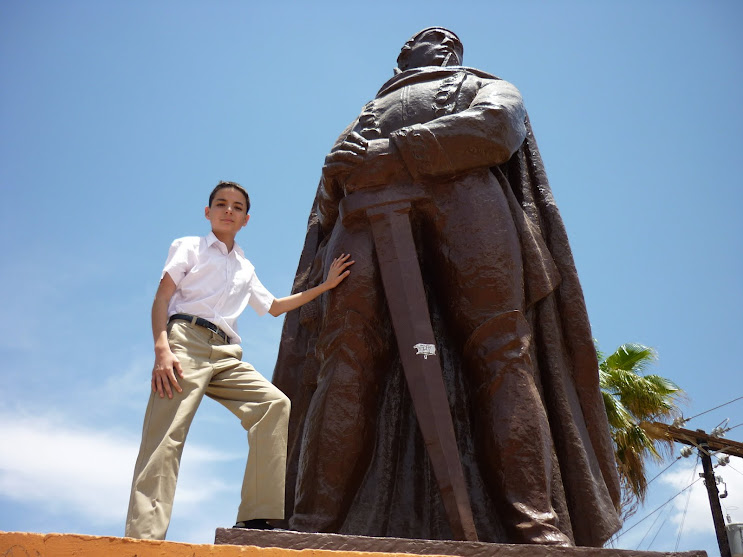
(180, 259)
(260, 298)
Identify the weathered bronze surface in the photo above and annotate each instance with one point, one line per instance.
(335, 542)
(452, 148)
(406, 300)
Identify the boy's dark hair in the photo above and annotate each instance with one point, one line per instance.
(222, 185)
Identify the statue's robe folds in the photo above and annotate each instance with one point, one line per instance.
(397, 494)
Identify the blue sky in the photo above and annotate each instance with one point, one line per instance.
(118, 118)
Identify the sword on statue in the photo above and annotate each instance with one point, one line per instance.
(387, 210)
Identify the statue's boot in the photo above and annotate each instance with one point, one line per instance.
(338, 433)
(515, 430)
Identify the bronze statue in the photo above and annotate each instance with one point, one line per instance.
(440, 176)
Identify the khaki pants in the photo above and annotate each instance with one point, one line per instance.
(215, 369)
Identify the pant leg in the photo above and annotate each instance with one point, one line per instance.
(352, 349)
(263, 410)
(166, 425)
(480, 251)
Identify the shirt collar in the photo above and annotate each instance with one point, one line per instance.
(211, 239)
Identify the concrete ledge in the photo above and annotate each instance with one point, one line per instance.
(20, 544)
(348, 544)
(253, 543)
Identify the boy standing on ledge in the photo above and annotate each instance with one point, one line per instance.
(205, 285)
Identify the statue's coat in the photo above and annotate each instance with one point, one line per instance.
(398, 495)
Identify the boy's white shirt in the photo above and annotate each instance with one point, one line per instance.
(213, 283)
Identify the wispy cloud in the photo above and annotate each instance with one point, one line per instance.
(127, 387)
(66, 468)
(677, 513)
(692, 508)
(59, 467)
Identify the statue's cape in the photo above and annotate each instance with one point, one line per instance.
(398, 495)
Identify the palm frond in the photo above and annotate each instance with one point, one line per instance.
(631, 357)
(634, 400)
(646, 397)
(616, 413)
(599, 353)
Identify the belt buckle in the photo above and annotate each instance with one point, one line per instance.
(217, 331)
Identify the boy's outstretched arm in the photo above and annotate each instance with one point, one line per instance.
(166, 363)
(336, 274)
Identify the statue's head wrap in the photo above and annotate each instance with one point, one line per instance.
(409, 43)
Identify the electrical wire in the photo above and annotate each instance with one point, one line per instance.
(656, 510)
(664, 469)
(734, 469)
(668, 512)
(725, 421)
(728, 509)
(649, 530)
(678, 539)
(686, 508)
(711, 409)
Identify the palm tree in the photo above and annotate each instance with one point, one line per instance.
(633, 402)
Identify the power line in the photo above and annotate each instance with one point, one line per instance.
(686, 508)
(711, 409)
(650, 530)
(734, 469)
(707, 446)
(656, 510)
(659, 474)
(659, 529)
(664, 469)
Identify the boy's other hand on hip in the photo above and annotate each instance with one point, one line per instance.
(163, 374)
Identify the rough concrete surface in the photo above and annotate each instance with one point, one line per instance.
(22, 544)
(337, 542)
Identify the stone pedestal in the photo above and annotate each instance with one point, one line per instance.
(338, 542)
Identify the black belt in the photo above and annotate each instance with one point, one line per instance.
(201, 323)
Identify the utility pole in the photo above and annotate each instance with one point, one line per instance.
(706, 444)
(714, 500)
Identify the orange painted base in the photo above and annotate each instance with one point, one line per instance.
(21, 544)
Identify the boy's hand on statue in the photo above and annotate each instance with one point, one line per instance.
(338, 270)
(163, 374)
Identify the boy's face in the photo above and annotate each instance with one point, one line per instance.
(227, 212)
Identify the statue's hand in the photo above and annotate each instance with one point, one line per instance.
(360, 163)
(345, 157)
(382, 165)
